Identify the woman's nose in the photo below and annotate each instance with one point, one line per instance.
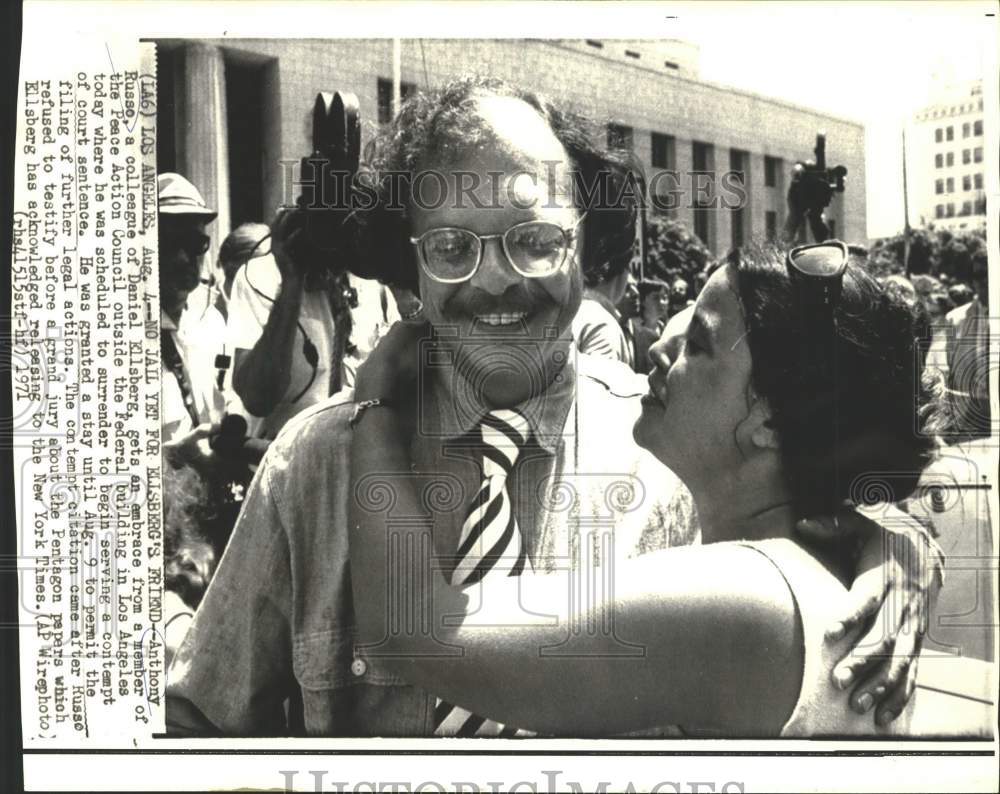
(495, 274)
(661, 354)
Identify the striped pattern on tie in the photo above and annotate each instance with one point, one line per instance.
(490, 543)
(490, 540)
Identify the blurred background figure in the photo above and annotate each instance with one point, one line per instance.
(968, 359)
(288, 353)
(189, 555)
(245, 242)
(654, 301)
(680, 296)
(599, 328)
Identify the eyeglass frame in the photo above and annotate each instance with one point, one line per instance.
(569, 237)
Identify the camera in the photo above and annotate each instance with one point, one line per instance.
(811, 189)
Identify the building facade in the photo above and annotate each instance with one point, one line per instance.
(235, 115)
(945, 156)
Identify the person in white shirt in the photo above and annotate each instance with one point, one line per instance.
(283, 333)
(192, 404)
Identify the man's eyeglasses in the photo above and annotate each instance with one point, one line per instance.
(535, 249)
(191, 241)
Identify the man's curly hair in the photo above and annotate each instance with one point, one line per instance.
(438, 127)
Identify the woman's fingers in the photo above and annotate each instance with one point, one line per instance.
(898, 697)
(888, 679)
(863, 601)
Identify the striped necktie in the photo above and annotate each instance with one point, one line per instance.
(490, 544)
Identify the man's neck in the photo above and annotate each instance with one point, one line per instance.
(595, 294)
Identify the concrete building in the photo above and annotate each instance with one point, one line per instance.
(235, 114)
(945, 159)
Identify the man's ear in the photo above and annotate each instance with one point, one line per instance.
(756, 433)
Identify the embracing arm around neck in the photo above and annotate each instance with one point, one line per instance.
(705, 636)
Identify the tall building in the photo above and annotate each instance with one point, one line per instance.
(945, 159)
(234, 116)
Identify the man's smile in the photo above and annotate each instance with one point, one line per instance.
(501, 318)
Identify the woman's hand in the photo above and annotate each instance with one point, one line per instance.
(391, 369)
(898, 576)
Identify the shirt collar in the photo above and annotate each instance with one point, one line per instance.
(450, 407)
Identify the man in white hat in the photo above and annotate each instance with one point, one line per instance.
(192, 404)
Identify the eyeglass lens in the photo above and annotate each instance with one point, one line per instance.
(820, 260)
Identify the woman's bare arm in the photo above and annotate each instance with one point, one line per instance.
(701, 636)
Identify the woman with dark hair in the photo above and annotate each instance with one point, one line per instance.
(793, 392)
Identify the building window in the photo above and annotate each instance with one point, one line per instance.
(949, 133)
(938, 160)
(939, 211)
(595, 43)
(949, 159)
(966, 128)
(619, 137)
(939, 186)
(950, 185)
(966, 156)
(977, 154)
(739, 163)
(966, 182)
(966, 208)
(406, 90)
(978, 181)
(772, 168)
(771, 225)
(977, 127)
(937, 135)
(632, 54)
(951, 210)
(664, 153)
(736, 227)
(703, 160)
(670, 65)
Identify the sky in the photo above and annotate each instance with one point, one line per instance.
(873, 63)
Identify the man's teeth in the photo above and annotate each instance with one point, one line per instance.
(501, 319)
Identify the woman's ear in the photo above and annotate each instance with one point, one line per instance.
(756, 432)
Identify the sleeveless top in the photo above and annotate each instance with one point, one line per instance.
(821, 708)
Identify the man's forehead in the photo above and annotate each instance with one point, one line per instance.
(500, 131)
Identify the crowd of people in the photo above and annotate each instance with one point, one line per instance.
(742, 560)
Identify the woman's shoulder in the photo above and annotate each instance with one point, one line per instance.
(805, 570)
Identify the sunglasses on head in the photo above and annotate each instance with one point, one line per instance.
(817, 271)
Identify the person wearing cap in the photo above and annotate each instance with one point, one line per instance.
(192, 404)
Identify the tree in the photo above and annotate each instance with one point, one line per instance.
(673, 252)
(935, 252)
